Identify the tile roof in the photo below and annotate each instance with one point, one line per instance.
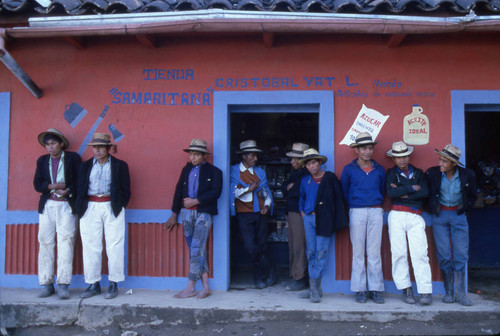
(80, 7)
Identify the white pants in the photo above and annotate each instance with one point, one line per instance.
(365, 228)
(99, 216)
(404, 224)
(56, 218)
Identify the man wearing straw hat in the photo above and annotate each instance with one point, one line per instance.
(407, 187)
(363, 185)
(103, 194)
(195, 198)
(251, 202)
(56, 179)
(321, 206)
(296, 234)
(453, 191)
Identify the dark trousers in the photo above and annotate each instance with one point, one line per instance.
(253, 227)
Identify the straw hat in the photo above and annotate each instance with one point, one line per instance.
(298, 149)
(53, 131)
(197, 145)
(100, 139)
(312, 154)
(248, 146)
(399, 149)
(451, 152)
(363, 139)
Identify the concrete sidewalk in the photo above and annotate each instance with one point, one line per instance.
(21, 308)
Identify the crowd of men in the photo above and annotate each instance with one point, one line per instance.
(96, 192)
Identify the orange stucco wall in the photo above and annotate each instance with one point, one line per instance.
(154, 134)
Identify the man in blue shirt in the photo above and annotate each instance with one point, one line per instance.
(452, 191)
(195, 197)
(363, 185)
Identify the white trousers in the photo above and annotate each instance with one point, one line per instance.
(56, 218)
(404, 224)
(365, 228)
(99, 217)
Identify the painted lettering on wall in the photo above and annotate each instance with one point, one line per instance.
(160, 98)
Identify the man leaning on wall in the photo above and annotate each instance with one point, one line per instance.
(103, 194)
(452, 192)
(195, 199)
(56, 179)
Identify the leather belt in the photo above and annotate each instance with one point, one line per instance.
(452, 208)
(99, 198)
(406, 209)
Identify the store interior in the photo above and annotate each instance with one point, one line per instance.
(275, 132)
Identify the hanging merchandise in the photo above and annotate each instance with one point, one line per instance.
(416, 127)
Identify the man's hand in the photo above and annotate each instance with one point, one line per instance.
(264, 211)
(170, 223)
(302, 213)
(254, 185)
(289, 186)
(56, 186)
(62, 193)
(190, 202)
(393, 185)
(416, 187)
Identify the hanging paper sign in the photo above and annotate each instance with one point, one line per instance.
(368, 120)
(416, 127)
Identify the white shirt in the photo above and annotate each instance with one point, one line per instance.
(100, 179)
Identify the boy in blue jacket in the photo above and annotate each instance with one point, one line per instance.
(363, 185)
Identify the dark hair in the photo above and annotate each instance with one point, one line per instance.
(49, 137)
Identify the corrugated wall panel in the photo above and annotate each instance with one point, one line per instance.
(155, 252)
(343, 253)
(21, 251)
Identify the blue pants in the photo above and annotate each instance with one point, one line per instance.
(197, 226)
(449, 225)
(316, 248)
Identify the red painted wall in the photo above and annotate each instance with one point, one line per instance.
(156, 134)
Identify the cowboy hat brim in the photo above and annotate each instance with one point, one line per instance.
(201, 150)
(354, 145)
(448, 157)
(321, 158)
(251, 150)
(59, 135)
(390, 153)
(294, 155)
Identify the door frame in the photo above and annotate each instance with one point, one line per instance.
(221, 159)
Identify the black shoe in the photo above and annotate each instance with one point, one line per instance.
(260, 285)
(377, 297)
(93, 289)
(47, 291)
(408, 296)
(271, 276)
(62, 291)
(361, 297)
(425, 299)
(297, 285)
(112, 290)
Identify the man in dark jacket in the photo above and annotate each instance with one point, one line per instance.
(195, 197)
(296, 234)
(407, 187)
(453, 191)
(321, 205)
(103, 194)
(56, 179)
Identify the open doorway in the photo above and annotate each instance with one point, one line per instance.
(275, 128)
(482, 122)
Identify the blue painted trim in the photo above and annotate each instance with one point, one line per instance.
(4, 176)
(458, 100)
(222, 100)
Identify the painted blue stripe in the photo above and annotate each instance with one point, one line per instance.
(4, 176)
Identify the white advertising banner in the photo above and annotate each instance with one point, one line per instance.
(368, 120)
